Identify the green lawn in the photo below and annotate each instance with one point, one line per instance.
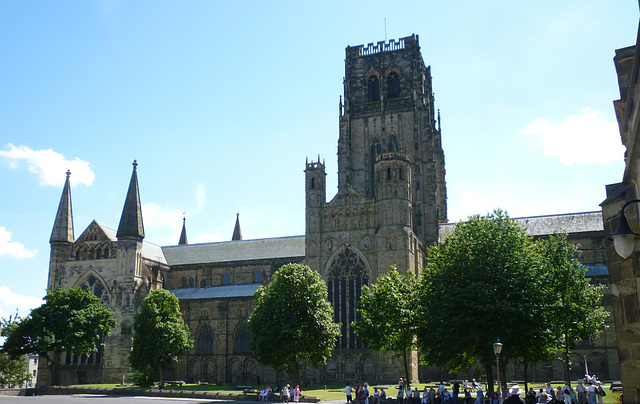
(328, 392)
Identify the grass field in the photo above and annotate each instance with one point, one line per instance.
(324, 393)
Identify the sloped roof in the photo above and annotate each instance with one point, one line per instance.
(216, 292)
(548, 224)
(228, 251)
(150, 251)
(597, 270)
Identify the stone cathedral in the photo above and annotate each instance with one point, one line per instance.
(390, 206)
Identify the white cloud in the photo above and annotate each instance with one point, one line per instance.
(13, 248)
(10, 301)
(582, 138)
(48, 165)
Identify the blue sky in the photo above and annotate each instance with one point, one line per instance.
(222, 102)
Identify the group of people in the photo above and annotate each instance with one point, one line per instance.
(588, 391)
(363, 395)
(285, 393)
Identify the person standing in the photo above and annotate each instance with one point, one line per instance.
(600, 391)
(296, 393)
(582, 393)
(347, 390)
(593, 395)
(566, 390)
(514, 398)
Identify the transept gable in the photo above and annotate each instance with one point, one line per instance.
(95, 233)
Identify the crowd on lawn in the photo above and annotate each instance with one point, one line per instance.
(587, 391)
(268, 394)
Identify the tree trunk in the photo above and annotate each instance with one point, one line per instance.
(526, 375)
(161, 377)
(489, 370)
(406, 366)
(567, 366)
(296, 370)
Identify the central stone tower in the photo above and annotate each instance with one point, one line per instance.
(391, 191)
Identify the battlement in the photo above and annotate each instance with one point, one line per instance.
(383, 46)
(315, 165)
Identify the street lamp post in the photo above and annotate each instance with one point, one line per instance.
(497, 348)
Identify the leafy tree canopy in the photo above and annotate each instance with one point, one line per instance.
(70, 320)
(160, 336)
(292, 320)
(480, 284)
(573, 313)
(387, 311)
(13, 371)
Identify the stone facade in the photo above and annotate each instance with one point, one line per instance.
(623, 273)
(390, 206)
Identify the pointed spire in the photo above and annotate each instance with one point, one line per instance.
(131, 226)
(63, 226)
(439, 125)
(237, 234)
(183, 235)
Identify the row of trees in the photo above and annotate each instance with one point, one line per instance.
(74, 321)
(485, 281)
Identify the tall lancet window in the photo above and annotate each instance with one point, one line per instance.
(373, 88)
(376, 149)
(393, 85)
(347, 274)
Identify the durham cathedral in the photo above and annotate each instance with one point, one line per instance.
(390, 206)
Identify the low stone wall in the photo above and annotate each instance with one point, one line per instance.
(12, 392)
(61, 390)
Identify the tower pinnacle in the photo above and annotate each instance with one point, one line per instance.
(131, 226)
(237, 234)
(63, 225)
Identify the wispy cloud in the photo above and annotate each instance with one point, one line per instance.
(13, 248)
(11, 301)
(582, 138)
(48, 165)
(167, 220)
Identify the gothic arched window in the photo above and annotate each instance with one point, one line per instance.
(226, 278)
(204, 340)
(373, 88)
(241, 339)
(95, 286)
(192, 283)
(183, 282)
(393, 85)
(347, 275)
(257, 277)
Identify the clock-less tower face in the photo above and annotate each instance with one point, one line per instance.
(391, 189)
(389, 107)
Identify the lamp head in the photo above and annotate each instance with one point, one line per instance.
(623, 237)
(497, 347)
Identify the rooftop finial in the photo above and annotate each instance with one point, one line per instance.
(135, 164)
(68, 173)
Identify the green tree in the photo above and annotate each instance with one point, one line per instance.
(387, 310)
(292, 320)
(573, 313)
(160, 336)
(13, 371)
(479, 285)
(70, 320)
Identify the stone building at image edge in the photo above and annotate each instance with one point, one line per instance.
(390, 205)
